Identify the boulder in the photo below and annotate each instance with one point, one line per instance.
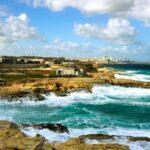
(97, 136)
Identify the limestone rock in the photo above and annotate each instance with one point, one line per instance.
(11, 138)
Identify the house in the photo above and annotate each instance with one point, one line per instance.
(22, 60)
(36, 60)
(70, 72)
(1, 60)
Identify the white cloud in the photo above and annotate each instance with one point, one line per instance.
(117, 30)
(67, 46)
(16, 28)
(78, 50)
(87, 6)
(139, 9)
(87, 50)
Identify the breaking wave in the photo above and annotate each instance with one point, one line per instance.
(99, 95)
(133, 75)
(114, 110)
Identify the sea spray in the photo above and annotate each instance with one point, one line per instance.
(110, 110)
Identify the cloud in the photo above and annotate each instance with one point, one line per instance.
(139, 9)
(15, 29)
(87, 50)
(86, 6)
(67, 46)
(117, 30)
(60, 48)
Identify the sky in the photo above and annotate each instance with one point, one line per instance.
(76, 28)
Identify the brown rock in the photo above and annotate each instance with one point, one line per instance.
(79, 144)
(11, 138)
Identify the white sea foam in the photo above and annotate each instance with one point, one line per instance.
(117, 131)
(99, 95)
(62, 137)
(133, 75)
(139, 145)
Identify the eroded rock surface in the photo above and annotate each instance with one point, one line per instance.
(79, 144)
(11, 138)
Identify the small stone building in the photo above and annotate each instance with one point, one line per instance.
(70, 72)
(1, 60)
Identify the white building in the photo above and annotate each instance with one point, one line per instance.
(70, 72)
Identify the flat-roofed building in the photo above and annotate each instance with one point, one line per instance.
(70, 72)
(1, 60)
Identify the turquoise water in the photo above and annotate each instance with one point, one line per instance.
(107, 109)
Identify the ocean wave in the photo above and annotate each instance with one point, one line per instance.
(133, 75)
(99, 95)
(73, 133)
(112, 110)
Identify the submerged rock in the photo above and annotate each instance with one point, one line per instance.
(97, 136)
(134, 139)
(36, 95)
(53, 127)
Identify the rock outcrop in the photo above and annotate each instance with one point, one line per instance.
(80, 144)
(34, 88)
(11, 138)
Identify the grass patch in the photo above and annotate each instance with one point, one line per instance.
(20, 77)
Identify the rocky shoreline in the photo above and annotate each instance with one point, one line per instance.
(34, 88)
(12, 138)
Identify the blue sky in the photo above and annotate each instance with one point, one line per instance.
(74, 28)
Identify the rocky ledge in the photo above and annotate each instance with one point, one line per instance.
(11, 138)
(34, 88)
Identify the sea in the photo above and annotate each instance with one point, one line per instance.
(108, 109)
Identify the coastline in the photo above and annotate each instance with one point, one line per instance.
(14, 138)
(34, 88)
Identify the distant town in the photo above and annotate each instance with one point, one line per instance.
(59, 66)
(52, 60)
(56, 66)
